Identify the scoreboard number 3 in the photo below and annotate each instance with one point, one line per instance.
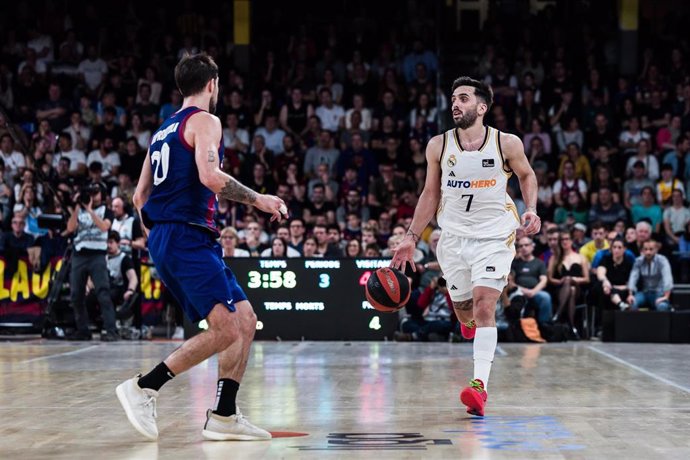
(324, 280)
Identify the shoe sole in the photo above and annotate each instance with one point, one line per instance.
(120, 392)
(215, 436)
(474, 402)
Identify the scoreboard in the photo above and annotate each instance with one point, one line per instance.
(311, 299)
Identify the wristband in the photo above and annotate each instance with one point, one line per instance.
(414, 236)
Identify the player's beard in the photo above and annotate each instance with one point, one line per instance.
(468, 118)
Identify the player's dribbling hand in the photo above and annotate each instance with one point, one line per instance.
(272, 205)
(531, 222)
(404, 254)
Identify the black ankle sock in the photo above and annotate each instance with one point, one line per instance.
(156, 378)
(225, 397)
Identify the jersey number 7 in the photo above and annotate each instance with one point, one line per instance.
(469, 202)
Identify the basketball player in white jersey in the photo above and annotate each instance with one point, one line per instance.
(468, 169)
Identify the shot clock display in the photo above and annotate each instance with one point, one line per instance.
(312, 299)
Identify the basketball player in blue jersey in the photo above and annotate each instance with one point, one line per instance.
(175, 197)
(468, 168)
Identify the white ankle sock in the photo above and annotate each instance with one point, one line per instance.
(485, 341)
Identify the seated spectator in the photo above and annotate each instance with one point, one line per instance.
(604, 178)
(106, 154)
(605, 209)
(372, 251)
(229, 241)
(643, 156)
(601, 254)
(236, 138)
(653, 272)
(629, 139)
(272, 135)
(297, 230)
(613, 274)
(331, 115)
(568, 271)
(571, 135)
(13, 161)
(537, 131)
(632, 188)
(583, 169)
(676, 218)
(76, 157)
(28, 208)
(528, 275)
(323, 153)
(597, 243)
(319, 207)
(435, 323)
(567, 182)
(575, 210)
(648, 210)
(167, 110)
(28, 179)
(364, 113)
(132, 159)
(295, 113)
(677, 157)
(322, 177)
(353, 249)
(309, 248)
(324, 246)
(138, 131)
(279, 248)
(16, 241)
(254, 238)
(666, 185)
(78, 131)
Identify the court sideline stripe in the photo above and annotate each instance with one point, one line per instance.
(67, 353)
(640, 369)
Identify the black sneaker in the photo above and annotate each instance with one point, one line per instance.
(109, 337)
(80, 336)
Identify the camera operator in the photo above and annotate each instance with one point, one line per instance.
(90, 222)
(122, 276)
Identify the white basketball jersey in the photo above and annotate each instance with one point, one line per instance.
(474, 202)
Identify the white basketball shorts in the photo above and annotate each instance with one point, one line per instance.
(468, 262)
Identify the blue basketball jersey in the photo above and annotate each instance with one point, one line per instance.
(178, 195)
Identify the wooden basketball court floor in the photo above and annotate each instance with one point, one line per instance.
(356, 400)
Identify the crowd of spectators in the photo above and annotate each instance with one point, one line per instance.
(336, 122)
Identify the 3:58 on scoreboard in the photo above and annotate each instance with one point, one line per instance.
(313, 299)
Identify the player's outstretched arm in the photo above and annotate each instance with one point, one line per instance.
(204, 131)
(426, 206)
(514, 153)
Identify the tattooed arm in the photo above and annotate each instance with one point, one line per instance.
(203, 131)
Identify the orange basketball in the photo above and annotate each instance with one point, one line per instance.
(388, 289)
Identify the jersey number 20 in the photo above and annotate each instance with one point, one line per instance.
(160, 161)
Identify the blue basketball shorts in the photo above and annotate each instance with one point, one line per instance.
(190, 263)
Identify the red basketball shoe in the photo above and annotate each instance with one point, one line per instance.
(468, 330)
(474, 397)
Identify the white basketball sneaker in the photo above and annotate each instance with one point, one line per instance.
(140, 406)
(233, 428)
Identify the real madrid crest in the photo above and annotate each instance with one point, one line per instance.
(452, 160)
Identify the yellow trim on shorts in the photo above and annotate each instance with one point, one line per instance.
(510, 240)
